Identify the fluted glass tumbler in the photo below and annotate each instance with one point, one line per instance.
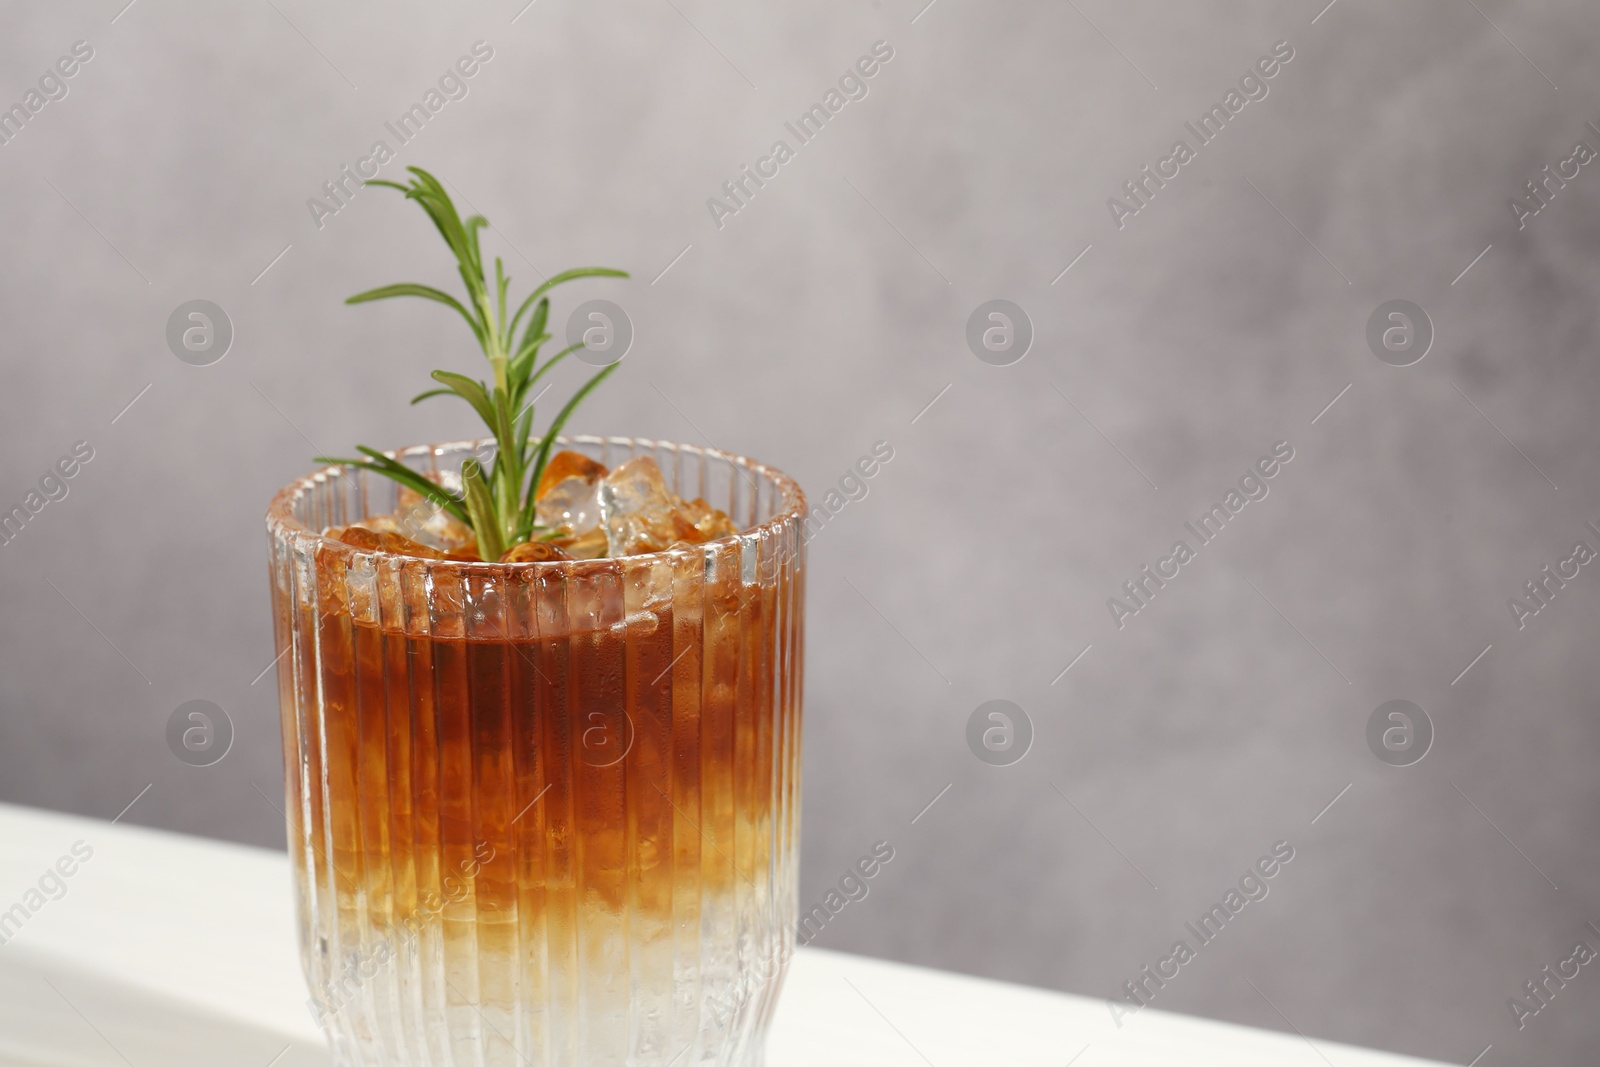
(543, 813)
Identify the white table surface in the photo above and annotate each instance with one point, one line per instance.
(175, 951)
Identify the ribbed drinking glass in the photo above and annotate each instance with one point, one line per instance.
(543, 813)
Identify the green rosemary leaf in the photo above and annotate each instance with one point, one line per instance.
(577, 272)
(533, 330)
(425, 486)
(470, 391)
(507, 473)
(500, 283)
(472, 226)
(521, 363)
(501, 425)
(553, 360)
(567, 276)
(541, 315)
(427, 292)
(480, 505)
(399, 472)
(524, 423)
(430, 192)
(462, 238)
(430, 392)
(479, 296)
(447, 222)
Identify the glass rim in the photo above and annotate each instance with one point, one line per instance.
(282, 521)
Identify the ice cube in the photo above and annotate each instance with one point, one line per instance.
(533, 552)
(382, 541)
(358, 536)
(377, 524)
(635, 486)
(569, 464)
(642, 515)
(707, 520)
(591, 545)
(637, 508)
(568, 493)
(420, 519)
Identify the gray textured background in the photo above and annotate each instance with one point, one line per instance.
(826, 316)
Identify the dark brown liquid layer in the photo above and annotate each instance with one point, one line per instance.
(633, 760)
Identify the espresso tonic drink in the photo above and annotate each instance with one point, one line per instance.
(543, 813)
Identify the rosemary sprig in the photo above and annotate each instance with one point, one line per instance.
(499, 503)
